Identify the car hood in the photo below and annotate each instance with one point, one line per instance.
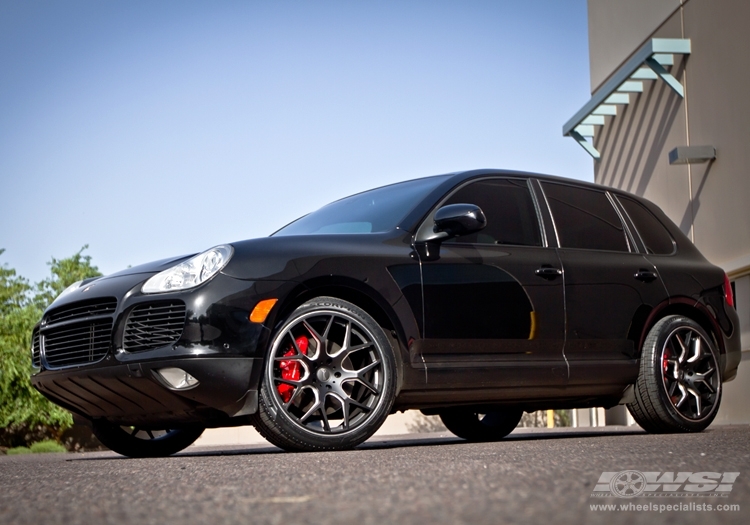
(288, 257)
(151, 267)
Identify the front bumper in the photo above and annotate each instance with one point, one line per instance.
(134, 393)
(217, 344)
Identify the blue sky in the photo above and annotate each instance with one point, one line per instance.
(153, 129)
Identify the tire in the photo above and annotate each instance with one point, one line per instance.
(329, 380)
(142, 443)
(679, 383)
(471, 425)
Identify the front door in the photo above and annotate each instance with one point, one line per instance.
(493, 301)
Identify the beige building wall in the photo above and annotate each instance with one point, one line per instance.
(621, 27)
(708, 201)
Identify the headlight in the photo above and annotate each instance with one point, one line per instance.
(190, 273)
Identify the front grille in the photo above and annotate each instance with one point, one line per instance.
(153, 325)
(36, 349)
(103, 306)
(78, 333)
(77, 344)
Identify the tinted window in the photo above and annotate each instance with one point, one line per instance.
(511, 217)
(585, 218)
(377, 210)
(655, 236)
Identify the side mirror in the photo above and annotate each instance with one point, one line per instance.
(451, 221)
(459, 219)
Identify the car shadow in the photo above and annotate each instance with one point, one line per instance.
(394, 441)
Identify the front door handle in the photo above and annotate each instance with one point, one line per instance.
(645, 275)
(548, 272)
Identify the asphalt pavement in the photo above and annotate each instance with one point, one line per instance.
(532, 476)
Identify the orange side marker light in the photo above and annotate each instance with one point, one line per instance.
(261, 310)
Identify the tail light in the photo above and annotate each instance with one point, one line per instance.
(728, 294)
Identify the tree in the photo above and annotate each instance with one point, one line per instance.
(26, 415)
(64, 273)
(14, 289)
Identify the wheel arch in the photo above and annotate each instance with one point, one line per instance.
(684, 306)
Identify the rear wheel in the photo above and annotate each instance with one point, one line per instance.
(679, 384)
(329, 380)
(137, 442)
(473, 425)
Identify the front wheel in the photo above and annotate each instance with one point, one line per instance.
(679, 384)
(473, 425)
(137, 442)
(329, 380)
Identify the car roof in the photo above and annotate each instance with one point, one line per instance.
(459, 177)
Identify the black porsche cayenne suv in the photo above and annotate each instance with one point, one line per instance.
(474, 295)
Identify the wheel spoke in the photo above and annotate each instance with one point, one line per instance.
(295, 345)
(326, 424)
(697, 351)
(298, 357)
(362, 371)
(295, 395)
(347, 335)
(683, 349)
(344, 410)
(675, 368)
(701, 378)
(320, 342)
(672, 388)
(291, 382)
(697, 398)
(357, 404)
(683, 391)
(327, 330)
(360, 376)
(312, 409)
(150, 434)
(367, 385)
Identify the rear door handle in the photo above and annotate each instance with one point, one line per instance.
(548, 272)
(645, 275)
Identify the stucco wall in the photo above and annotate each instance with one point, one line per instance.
(708, 201)
(619, 27)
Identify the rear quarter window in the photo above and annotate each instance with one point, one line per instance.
(653, 233)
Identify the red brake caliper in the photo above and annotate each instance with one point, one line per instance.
(291, 369)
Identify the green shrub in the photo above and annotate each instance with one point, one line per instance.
(25, 415)
(18, 450)
(43, 447)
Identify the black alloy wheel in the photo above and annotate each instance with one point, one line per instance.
(679, 385)
(473, 425)
(329, 379)
(137, 442)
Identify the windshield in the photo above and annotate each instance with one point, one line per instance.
(373, 211)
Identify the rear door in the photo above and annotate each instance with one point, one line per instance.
(608, 286)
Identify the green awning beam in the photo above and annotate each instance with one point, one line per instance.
(650, 62)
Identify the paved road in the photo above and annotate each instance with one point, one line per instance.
(533, 476)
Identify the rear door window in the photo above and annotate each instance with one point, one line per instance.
(585, 218)
(653, 233)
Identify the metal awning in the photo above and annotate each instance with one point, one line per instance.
(650, 62)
